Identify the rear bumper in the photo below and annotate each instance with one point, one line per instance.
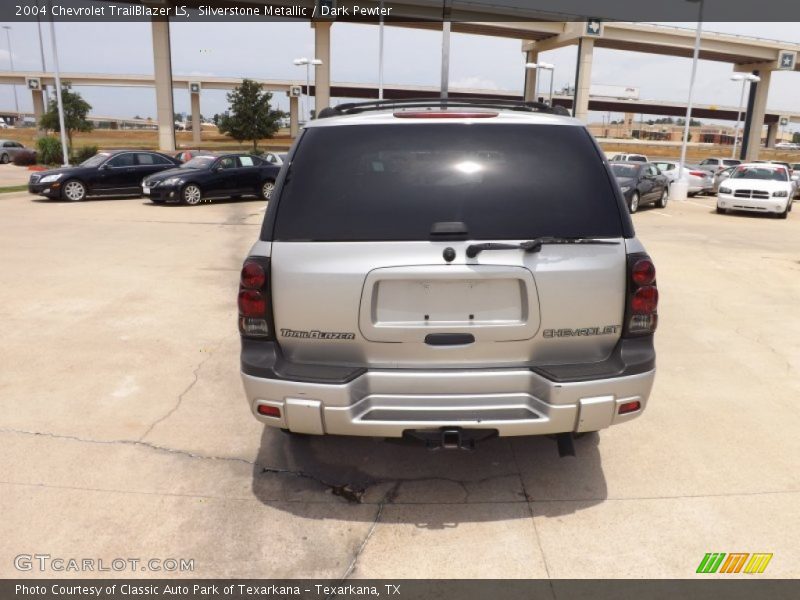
(513, 401)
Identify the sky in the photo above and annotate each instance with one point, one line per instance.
(411, 56)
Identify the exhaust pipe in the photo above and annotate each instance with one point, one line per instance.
(565, 445)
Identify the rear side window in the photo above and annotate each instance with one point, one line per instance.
(394, 182)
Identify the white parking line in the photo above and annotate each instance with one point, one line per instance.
(662, 214)
(697, 203)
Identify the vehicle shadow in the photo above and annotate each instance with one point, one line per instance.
(496, 481)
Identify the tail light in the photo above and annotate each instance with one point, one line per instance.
(641, 310)
(255, 307)
(698, 173)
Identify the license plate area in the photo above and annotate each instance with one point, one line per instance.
(451, 302)
(491, 302)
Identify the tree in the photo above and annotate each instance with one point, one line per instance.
(76, 110)
(250, 116)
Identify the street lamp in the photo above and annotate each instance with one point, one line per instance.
(308, 62)
(744, 78)
(547, 67)
(11, 60)
(679, 190)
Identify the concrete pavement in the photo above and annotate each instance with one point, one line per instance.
(125, 433)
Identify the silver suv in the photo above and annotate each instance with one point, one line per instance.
(448, 271)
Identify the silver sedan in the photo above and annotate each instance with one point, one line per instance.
(699, 180)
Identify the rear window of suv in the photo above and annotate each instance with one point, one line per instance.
(394, 182)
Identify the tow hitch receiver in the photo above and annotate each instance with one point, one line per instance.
(451, 438)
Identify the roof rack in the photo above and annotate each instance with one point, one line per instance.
(352, 108)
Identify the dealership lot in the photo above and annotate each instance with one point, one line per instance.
(125, 433)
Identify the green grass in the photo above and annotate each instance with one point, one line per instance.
(13, 188)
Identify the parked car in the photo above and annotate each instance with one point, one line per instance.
(629, 158)
(185, 155)
(699, 181)
(796, 178)
(641, 184)
(9, 149)
(117, 172)
(446, 282)
(722, 176)
(717, 164)
(272, 158)
(212, 176)
(757, 187)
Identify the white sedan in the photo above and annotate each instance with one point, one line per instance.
(757, 187)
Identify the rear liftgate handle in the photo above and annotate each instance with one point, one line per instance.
(449, 339)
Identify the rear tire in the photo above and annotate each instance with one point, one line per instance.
(5, 159)
(662, 202)
(266, 189)
(634, 204)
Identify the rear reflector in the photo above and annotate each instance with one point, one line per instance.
(443, 114)
(270, 411)
(629, 407)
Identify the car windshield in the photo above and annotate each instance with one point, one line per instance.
(387, 182)
(96, 160)
(198, 162)
(624, 170)
(770, 174)
(730, 162)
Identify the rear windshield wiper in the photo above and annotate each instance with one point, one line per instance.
(533, 245)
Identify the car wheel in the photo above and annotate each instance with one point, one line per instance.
(662, 203)
(634, 205)
(267, 189)
(74, 190)
(785, 213)
(191, 195)
(721, 210)
(4, 159)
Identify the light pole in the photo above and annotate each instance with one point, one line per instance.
(744, 78)
(41, 54)
(547, 67)
(11, 60)
(681, 187)
(380, 54)
(308, 62)
(59, 100)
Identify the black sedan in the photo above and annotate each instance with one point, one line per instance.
(118, 172)
(641, 183)
(206, 177)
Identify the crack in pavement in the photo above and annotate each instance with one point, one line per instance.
(187, 389)
(388, 498)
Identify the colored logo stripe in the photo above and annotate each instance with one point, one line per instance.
(758, 562)
(734, 562)
(710, 562)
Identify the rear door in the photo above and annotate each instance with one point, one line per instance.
(248, 178)
(369, 247)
